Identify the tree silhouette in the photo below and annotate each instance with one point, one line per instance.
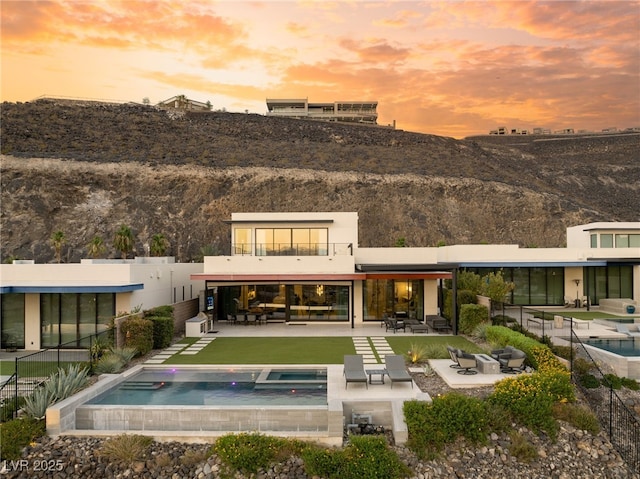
(57, 240)
(123, 240)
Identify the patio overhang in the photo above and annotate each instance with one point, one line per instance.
(276, 278)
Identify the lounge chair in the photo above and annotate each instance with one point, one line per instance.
(396, 369)
(394, 324)
(466, 362)
(624, 329)
(354, 370)
(513, 363)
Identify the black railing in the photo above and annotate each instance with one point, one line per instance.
(33, 369)
(620, 423)
(292, 249)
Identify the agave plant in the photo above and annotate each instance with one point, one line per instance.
(126, 354)
(36, 404)
(109, 364)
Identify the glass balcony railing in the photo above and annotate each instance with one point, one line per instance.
(292, 249)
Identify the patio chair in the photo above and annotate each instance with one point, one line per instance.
(453, 352)
(504, 353)
(514, 363)
(354, 370)
(466, 362)
(396, 369)
(395, 325)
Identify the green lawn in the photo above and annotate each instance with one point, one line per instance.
(32, 368)
(300, 350)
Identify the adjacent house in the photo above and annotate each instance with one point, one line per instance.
(344, 111)
(44, 305)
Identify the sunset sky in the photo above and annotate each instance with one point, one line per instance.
(446, 68)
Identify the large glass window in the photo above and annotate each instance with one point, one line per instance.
(634, 241)
(12, 320)
(594, 240)
(610, 282)
(290, 302)
(533, 286)
(69, 318)
(606, 240)
(622, 241)
(242, 241)
(292, 241)
(393, 297)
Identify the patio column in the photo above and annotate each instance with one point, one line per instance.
(454, 301)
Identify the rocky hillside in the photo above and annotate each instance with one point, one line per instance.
(87, 168)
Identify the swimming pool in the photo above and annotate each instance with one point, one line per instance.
(251, 387)
(622, 347)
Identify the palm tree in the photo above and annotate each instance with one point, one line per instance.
(57, 240)
(123, 240)
(159, 245)
(96, 247)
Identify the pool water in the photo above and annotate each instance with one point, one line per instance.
(216, 388)
(623, 347)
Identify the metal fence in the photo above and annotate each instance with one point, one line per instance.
(33, 369)
(617, 420)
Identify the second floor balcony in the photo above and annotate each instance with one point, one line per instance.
(292, 249)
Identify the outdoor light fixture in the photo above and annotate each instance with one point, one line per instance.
(577, 281)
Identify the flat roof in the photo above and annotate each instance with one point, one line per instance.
(93, 288)
(283, 220)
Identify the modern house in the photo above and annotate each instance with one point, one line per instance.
(44, 305)
(181, 102)
(344, 111)
(309, 267)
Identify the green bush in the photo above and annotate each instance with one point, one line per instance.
(17, 434)
(365, 457)
(160, 311)
(578, 416)
(471, 316)
(589, 381)
(10, 406)
(448, 417)
(138, 334)
(613, 381)
(162, 331)
(502, 320)
(250, 452)
(630, 384)
(529, 399)
(466, 296)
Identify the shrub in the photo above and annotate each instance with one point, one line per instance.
(162, 332)
(365, 457)
(9, 407)
(502, 320)
(521, 448)
(126, 448)
(192, 457)
(160, 311)
(578, 416)
(582, 366)
(472, 315)
(466, 296)
(563, 351)
(249, 452)
(138, 334)
(529, 400)
(448, 417)
(498, 417)
(16, 434)
(501, 336)
(630, 384)
(589, 381)
(480, 331)
(613, 381)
